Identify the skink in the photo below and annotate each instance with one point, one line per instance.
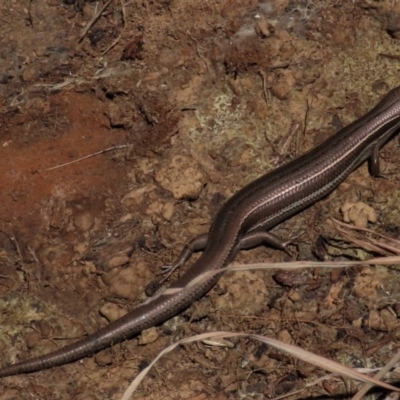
(243, 222)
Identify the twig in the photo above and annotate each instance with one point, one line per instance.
(123, 29)
(390, 56)
(202, 58)
(284, 148)
(121, 146)
(30, 20)
(17, 247)
(94, 19)
(266, 93)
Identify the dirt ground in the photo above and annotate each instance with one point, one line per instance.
(122, 135)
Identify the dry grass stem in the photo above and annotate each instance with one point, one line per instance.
(387, 247)
(294, 351)
(120, 146)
